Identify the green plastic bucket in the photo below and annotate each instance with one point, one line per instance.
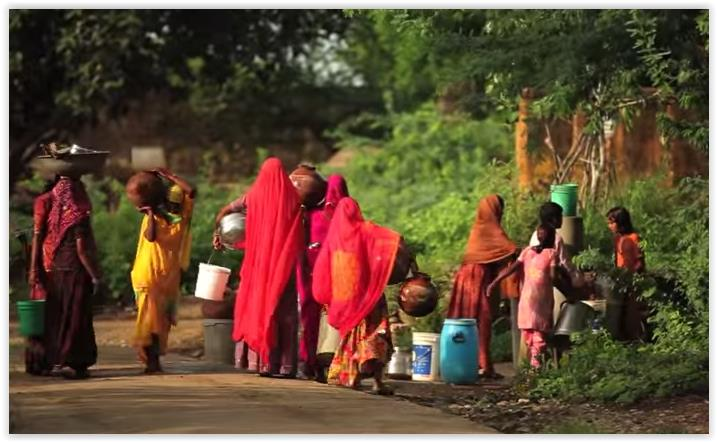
(32, 317)
(566, 195)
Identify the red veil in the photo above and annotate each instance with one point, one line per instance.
(353, 266)
(274, 238)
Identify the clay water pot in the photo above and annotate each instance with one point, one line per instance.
(418, 296)
(145, 189)
(310, 186)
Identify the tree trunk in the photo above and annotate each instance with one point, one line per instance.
(522, 156)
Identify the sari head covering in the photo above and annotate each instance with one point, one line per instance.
(63, 207)
(274, 238)
(335, 190)
(353, 266)
(487, 241)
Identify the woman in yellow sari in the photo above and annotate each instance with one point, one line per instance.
(162, 253)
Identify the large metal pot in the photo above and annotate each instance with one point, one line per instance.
(72, 165)
(400, 365)
(573, 317)
(232, 228)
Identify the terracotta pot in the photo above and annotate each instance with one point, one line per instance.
(418, 296)
(145, 189)
(310, 186)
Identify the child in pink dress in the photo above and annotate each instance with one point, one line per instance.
(535, 308)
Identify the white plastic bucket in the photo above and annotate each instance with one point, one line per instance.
(329, 338)
(425, 356)
(211, 282)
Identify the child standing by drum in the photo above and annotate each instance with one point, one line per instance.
(535, 309)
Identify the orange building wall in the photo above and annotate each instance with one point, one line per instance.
(635, 152)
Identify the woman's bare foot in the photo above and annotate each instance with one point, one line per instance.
(381, 388)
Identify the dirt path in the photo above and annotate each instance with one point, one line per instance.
(198, 397)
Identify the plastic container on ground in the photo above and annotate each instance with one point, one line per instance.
(459, 351)
(211, 282)
(426, 351)
(32, 317)
(219, 347)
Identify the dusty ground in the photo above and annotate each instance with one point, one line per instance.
(118, 399)
(197, 397)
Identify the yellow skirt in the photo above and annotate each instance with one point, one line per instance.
(156, 314)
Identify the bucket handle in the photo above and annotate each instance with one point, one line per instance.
(459, 338)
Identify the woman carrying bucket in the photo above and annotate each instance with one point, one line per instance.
(265, 312)
(64, 272)
(162, 253)
(489, 250)
(351, 272)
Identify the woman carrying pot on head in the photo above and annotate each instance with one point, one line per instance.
(316, 222)
(351, 272)
(162, 254)
(64, 272)
(489, 250)
(265, 312)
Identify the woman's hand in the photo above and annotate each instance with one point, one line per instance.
(489, 291)
(217, 242)
(96, 286)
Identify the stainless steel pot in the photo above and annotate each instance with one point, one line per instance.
(400, 365)
(573, 317)
(73, 164)
(232, 228)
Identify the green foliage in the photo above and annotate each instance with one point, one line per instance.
(599, 61)
(599, 368)
(425, 182)
(116, 233)
(673, 225)
(231, 71)
(501, 346)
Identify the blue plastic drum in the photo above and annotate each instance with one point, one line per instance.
(459, 351)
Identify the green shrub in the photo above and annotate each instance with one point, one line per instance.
(425, 182)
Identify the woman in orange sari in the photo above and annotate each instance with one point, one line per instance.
(489, 250)
(350, 274)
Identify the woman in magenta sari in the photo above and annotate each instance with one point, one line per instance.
(317, 220)
(64, 272)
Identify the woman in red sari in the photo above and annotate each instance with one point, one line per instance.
(351, 272)
(317, 220)
(489, 250)
(265, 312)
(64, 272)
